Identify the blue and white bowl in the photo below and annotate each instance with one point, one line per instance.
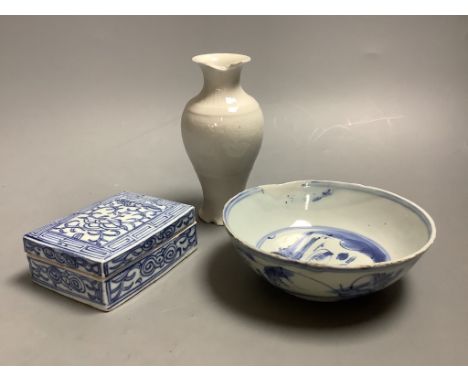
(328, 240)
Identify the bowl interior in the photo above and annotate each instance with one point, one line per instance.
(327, 222)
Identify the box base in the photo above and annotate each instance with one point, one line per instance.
(108, 308)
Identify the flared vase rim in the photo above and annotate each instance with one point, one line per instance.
(221, 61)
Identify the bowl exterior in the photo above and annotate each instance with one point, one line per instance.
(320, 283)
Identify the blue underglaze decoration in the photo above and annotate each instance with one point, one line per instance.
(61, 258)
(324, 194)
(245, 253)
(278, 276)
(342, 256)
(238, 198)
(66, 282)
(151, 267)
(109, 234)
(150, 244)
(317, 244)
(295, 251)
(360, 243)
(323, 254)
(122, 286)
(362, 285)
(366, 284)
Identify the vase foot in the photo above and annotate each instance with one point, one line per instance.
(207, 218)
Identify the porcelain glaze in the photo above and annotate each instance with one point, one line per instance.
(325, 240)
(222, 129)
(106, 253)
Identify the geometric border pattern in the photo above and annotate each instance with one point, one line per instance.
(66, 282)
(168, 218)
(138, 276)
(106, 294)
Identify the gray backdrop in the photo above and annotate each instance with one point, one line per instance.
(90, 106)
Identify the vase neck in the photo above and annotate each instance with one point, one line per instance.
(221, 71)
(216, 80)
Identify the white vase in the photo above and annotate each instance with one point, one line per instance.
(222, 130)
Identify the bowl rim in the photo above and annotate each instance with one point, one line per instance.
(422, 214)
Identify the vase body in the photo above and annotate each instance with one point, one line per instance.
(222, 130)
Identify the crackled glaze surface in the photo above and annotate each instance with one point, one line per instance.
(325, 240)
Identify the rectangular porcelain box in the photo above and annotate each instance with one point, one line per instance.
(106, 253)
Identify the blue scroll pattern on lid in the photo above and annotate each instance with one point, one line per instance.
(107, 235)
(107, 222)
(110, 226)
(63, 259)
(150, 244)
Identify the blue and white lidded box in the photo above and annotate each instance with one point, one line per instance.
(106, 253)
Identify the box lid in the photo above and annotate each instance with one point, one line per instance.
(105, 237)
